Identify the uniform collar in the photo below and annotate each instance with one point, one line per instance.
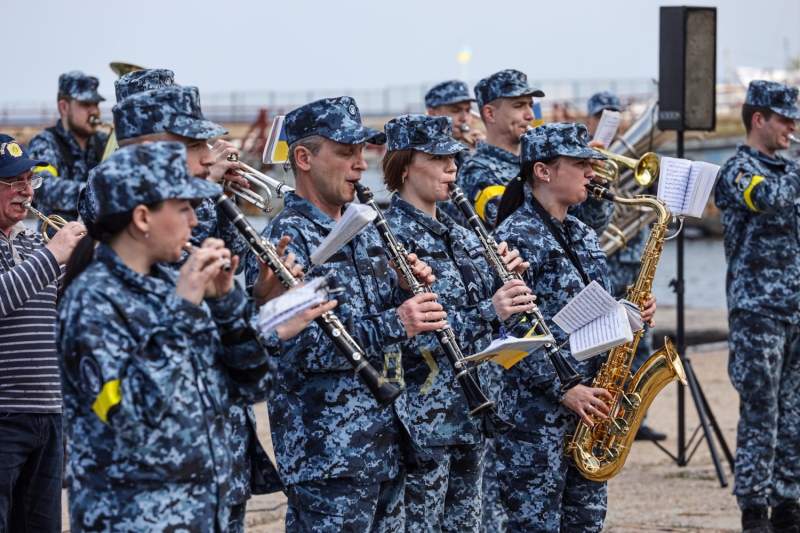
(497, 153)
(761, 156)
(309, 210)
(434, 226)
(155, 283)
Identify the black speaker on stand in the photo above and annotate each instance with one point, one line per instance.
(687, 102)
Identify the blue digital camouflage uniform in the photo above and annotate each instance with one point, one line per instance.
(150, 379)
(151, 104)
(444, 453)
(758, 200)
(602, 100)
(445, 93)
(540, 487)
(339, 456)
(69, 166)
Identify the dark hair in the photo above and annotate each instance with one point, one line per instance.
(749, 110)
(102, 230)
(313, 143)
(514, 195)
(393, 165)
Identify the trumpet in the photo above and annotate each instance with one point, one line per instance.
(94, 121)
(793, 138)
(226, 263)
(53, 221)
(645, 169)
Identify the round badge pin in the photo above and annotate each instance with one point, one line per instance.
(14, 150)
(352, 109)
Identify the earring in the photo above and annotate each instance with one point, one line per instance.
(519, 178)
(146, 234)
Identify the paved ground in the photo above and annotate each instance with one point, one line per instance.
(651, 493)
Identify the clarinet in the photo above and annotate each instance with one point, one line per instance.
(567, 375)
(477, 401)
(384, 392)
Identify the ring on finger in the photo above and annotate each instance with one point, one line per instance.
(427, 318)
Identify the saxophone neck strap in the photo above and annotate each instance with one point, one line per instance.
(558, 236)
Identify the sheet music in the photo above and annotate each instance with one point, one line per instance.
(591, 303)
(353, 220)
(611, 329)
(607, 127)
(509, 351)
(701, 182)
(283, 308)
(673, 181)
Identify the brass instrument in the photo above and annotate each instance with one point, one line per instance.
(254, 177)
(600, 452)
(53, 221)
(94, 121)
(645, 169)
(793, 138)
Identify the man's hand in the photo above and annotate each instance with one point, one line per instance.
(267, 285)
(421, 313)
(65, 240)
(202, 275)
(421, 271)
(223, 168)
(294, 326)
(587, 402)
(598, 144)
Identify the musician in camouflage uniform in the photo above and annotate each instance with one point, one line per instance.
(73, 147)
(142, 114)
(444, 451)
(340, 456)
(540, 488)
(153, 360)
(757, 195)
(151, 108)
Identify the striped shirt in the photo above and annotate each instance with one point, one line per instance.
(29, 379)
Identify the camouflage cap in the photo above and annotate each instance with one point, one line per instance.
(337, 119)
(79, 86)
(504, 84)
(171, 109)
(601, 101)
(778, 97)
(143, 80)
(431, 135)
(448, 92)
(145, 174)
(15, 159)
(558, 138)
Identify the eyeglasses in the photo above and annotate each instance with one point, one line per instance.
(19, 186)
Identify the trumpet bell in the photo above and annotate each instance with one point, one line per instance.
(120, 69)
(645, 169)
(53, 221)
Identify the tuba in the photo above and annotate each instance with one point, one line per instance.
(600, 452)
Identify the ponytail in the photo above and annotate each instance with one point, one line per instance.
(514, 195)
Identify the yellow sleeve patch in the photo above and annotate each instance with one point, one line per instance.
(485, 196)
(108, 398)
(49, 168)
(748, 192)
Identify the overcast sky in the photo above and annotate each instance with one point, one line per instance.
(268, 45)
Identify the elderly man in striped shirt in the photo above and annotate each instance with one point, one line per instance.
(30, 391)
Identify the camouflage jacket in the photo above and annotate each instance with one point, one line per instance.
(324, 420)
(757, 196)
(59, 192)
(483, 178)
(434, 409)
(594, 213)
(530, 388)
(149, 380)
(624, 265)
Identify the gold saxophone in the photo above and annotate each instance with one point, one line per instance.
(600, 452)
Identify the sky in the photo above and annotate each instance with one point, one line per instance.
(252, 45)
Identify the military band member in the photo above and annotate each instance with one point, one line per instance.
(339, 456)
(541, 490)
(623, 265)
(30, 392)
(74, 146)
(444, 454)
(757, 194)
(452, 99)
(152, 359)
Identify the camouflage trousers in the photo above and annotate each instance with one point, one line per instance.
(764, 367)
(493, 515)
(443, 488)
(342, 506)
(543, 492)
(236, 520)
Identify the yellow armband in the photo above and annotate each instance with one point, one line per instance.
(108, 398)
(486, 195)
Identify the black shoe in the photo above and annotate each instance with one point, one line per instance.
(754, 520)
(646, 433)
(786, 517)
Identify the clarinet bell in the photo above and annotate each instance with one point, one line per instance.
(567, 375)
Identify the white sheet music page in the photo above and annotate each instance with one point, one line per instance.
(673, 182)
(591, 303)
(701, 181)
(607, 127)
(355, 217)
(602, 334)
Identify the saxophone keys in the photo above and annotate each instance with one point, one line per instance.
(630, 402)
(618, 427)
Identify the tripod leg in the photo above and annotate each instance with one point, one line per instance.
(698, 402)
(717, 431)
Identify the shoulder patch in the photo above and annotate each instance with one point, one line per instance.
(91, 379)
